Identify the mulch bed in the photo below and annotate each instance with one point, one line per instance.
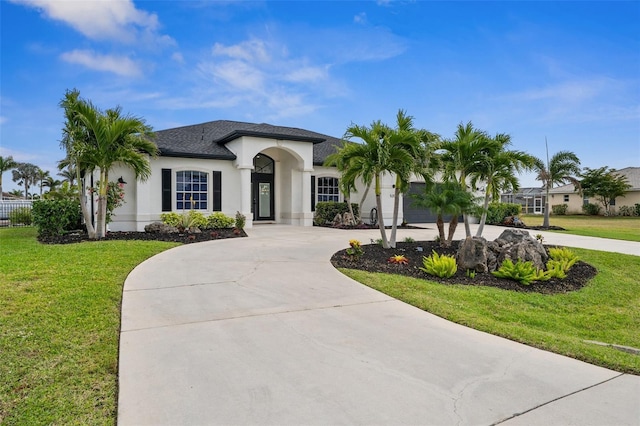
(376, 259)
(184, 238)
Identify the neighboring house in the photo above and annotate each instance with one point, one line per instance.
(531, 199)
(567, 194)
(269, 173)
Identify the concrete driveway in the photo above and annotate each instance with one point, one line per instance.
(263, 330)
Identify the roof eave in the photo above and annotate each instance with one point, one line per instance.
(240, 133)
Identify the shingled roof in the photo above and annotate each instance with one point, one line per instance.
(207, 140)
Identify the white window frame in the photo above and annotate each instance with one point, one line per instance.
(326, 192)
(185, 202)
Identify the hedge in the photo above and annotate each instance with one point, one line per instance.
(55, 217)
(327, 210)
(498, 211)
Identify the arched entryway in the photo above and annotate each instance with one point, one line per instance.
(263, 188)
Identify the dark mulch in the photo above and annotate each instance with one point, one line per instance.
(184, 238)
(376, 259)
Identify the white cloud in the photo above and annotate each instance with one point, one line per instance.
(120, 65)
(177, 56)
(250, 50)
(103, 19)
(360, 18)
(307, 74)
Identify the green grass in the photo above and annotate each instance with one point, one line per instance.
(616, 227)
(606, 310)
(59, 327)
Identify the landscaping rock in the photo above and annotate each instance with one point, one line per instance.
(160, 228)
(526, 251)
(515, 236)
(473, 254)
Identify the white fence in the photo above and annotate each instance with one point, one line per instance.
(7, 206)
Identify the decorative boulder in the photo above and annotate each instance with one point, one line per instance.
(473, 254)
(337, 220)
(160, 228)
(517, 244)
(347, 219)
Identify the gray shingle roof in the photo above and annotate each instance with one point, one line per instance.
(207, 140)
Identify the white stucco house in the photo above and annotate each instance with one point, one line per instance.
(271, 174)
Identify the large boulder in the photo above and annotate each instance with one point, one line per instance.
(473, 254)
(518, 244)
(512, 235)
(160, 228)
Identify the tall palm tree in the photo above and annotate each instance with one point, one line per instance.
(25, 174)
(41, 175)
(561, 169)
(6, 164)
(499, 173)
(51, 183)
(465, 155)
(418, 143)
(113, 138)
(443, 199)
(67, 172)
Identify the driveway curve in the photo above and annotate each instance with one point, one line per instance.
(263, 330)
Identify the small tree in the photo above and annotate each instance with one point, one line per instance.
(25, 174)
(604, 184)
(6, 164)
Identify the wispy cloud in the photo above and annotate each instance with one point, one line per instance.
(360, 18)
(103, 20)
(120, 65)
(251, 50)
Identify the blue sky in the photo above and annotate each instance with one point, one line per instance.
(567, 71)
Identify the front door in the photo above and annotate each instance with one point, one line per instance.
(263, 191)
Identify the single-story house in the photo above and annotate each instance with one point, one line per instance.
(269, 173)
(567, 194)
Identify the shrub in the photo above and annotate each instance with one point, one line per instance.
(637, 207)
(498, 211)
(197, 219)
(591, 209)
(441, 266)
(21, 216)
(171, 219)
(628, 210)
(327, 210)
(219, 220)
(559, 209)
(55, 217)
(523, 272)
(561, 258)
(241, 220)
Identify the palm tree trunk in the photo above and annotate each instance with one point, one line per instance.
(353, 218)
(103, 188)
(364, 196)
(396, 202)
(85, 211)
(483, 218)
(545, 224)
(453, 224)
(383, 232)
(440, 225)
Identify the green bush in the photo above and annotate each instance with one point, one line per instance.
(559, 209)
(327, 210)
(498, 211)
(637, 207)
(591, 209)
(55, 217)
(241, 220)
(523, 272)
(21, 216)
(561, 258)
(628, 210)
(171, 219)
(219, 220)
(441, 266)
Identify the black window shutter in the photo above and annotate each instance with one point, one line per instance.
(217, 191)
(313, 193)
(166, 190)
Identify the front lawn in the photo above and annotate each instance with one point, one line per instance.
(59, 327)
(616, 227)
(606, 310)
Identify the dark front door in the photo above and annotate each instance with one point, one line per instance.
(263, 188)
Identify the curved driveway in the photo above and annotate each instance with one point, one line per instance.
(263, 330)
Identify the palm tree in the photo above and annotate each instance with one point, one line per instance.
(25, 174)
(51, 183)
(561, 169)
(419, 146)
(466, 155)
(6, 164)
(443, 199)
(499, 173)
(41, 175)
(67, 172)
(112, 138)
